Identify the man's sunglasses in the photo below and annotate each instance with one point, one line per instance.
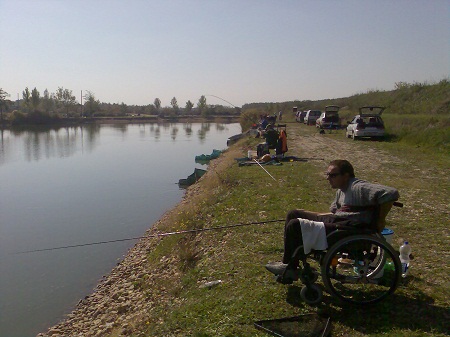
(332, 175)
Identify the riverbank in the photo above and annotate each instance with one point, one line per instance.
(120, 302)
(157, 289)
(79, 121)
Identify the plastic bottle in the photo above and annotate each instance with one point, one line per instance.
(388, 274)
(405, 251)
(211, 284)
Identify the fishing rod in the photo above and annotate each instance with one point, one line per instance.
(264, 169)
(153, 236)
(245, 116)
(223, 100)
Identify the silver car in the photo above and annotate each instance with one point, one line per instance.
(367, 124)
(329, 119)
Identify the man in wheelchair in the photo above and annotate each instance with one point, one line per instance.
(358, 205)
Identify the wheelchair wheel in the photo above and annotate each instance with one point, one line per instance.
(309, 277)
(361, 269)
(312, 294)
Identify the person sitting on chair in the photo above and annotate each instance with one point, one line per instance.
(358, 203)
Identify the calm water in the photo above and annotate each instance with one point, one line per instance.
(79, 185)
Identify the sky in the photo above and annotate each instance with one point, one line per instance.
(242, 51)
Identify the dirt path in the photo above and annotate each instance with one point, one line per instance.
(328, 148)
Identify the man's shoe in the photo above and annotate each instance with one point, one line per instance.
(276, 268)
(289, 276)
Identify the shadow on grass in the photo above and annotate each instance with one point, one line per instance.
(395, 312)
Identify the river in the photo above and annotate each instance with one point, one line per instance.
(79, 185)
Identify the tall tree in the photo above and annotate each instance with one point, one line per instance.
(201, 105)
(35, 99)
(26, 99)
(47, 101)
(157, 103)
(174, 104)
(91, 104)
(123, 109)
(189, 106)
(3, 102)
(65, 98)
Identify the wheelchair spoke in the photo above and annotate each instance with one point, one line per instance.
(361, 269)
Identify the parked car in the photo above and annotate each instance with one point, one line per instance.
(311, 117)
(329, 119)
(300, 116)
(367, 124)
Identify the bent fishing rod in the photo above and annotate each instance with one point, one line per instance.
(234, 106)
(197, 230)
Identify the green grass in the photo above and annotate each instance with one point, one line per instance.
(237, 256)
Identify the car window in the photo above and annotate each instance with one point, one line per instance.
(372, 120)
(330, 114)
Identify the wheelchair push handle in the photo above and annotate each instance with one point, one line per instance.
(398, 204)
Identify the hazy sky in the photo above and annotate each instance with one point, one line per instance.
(241, 50)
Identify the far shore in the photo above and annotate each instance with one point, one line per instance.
(78, 121)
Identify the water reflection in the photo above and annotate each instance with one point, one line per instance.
(39, 143)
(47, 143)
(120, 127)
(204, 129)
(188, 129)
(5, 145)
(65, 196)
(174, 132)
(220, 127)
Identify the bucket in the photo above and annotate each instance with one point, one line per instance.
(387, 234)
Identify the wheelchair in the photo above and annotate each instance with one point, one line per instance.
(359, 267)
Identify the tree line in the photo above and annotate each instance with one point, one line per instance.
(62, 103)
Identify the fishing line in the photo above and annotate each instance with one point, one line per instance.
(153, 236)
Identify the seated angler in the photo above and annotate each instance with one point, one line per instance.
(358, 203)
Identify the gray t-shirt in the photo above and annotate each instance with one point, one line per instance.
(359, 200)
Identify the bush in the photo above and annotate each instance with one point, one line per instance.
(34, 118)
(249, 117)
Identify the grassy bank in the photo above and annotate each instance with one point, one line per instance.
(230, 194)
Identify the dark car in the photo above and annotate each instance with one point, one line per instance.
(329, 119)
(311, 117)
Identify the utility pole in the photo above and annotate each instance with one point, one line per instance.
(81, 99)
